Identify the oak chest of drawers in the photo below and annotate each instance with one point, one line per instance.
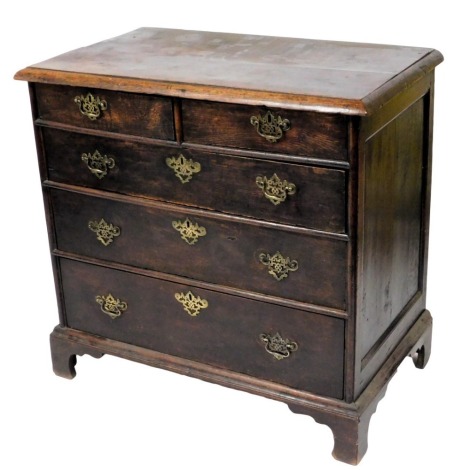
(252, 211)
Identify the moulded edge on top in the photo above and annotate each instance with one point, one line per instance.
(310, 102)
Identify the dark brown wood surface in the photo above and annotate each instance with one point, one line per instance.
(126, 113)
(309, 74)
(228, 254)
(322, 136)
(394, 162)
(224, 183)
(225, 334)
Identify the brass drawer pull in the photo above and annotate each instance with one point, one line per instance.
(274, 189)
(184, 168)
(192, 304)
(98, 164)
(105, 233)
(277, 346)
(90, 106)
(279, 267)
(189, 231)
(111, 306)
(270, 126)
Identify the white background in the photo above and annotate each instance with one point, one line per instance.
(120, 415)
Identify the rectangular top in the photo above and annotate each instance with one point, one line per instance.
(300, 73)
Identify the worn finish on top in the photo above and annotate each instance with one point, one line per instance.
(322, 75)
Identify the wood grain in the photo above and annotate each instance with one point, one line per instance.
(228, 254)
(391, 273)
(319, 201)
(225, 334)
(321, 75)
(127, 113)
(315, 135)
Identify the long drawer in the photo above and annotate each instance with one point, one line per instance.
(299, 349)
(195, 245)
(301, 195)
(103, 110)
(316, 135)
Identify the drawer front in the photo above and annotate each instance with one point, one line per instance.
(226, 331)
(104, 110)
(246, 256)
(316, 135)
(294, 194)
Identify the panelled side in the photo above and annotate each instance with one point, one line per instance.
(393, 178)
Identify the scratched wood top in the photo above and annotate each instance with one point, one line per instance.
(300, 73)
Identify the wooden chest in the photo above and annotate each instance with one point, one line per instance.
(252, 211)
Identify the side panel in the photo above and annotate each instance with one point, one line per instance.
(393, 218)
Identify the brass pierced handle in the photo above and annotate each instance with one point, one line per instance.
(279, 266)
(184, 168)
(189, 231)
(105, 233)
(277, 346)
(91, 106)
(111, 306)
(98, 164)
(274, 189)
(192, 304)
(270, 126)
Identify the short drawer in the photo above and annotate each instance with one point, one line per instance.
(112, 111)
(316, 135)
(190, 244)
(301, 195)
(218, 329)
